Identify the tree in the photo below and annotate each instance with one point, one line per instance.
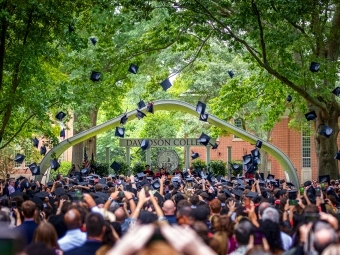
(280, 37)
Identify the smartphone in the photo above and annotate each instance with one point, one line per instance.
(302, 191)
(317, 192)
(311, 217)
(147, 189)
(14, 205)
(322, 184)
(293, 202)
(121, 194)
(258, 237)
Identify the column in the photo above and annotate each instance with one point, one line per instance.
(208, 154)
(127, 155)
(107, 157)
(229, 161)
(148, 156)
(187, 157)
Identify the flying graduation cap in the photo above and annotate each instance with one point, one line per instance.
(120, 132)
(133, 69)
(149, 107)
(145, 144)
(204, 117)
(289, 98)
(70, 28)
(141, 104)
(123, 119)
(19, 158)
(54, 164)
(62, 133)
(200, 107)
(194, 155)
(115, 166)
(337, 155)
(204, 139)
(310, 115)
(60, 115)
(93, 41)
(35, 142)
(231, 74)
(314, 67)
(140, 114)
(258, 144)
(166, 84)
(326, 131)
(43, 150)
(95, 76)
(336, 91)
(35, 169)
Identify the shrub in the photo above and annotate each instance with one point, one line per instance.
(64, 168)
(198, 164)
(218, 167)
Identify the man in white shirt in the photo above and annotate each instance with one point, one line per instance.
(74, 237)
(10, 187)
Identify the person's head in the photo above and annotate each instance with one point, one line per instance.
(162, 170)
(108, 237)
(242, 232)
(271, 214)
(11, 182)
(59, 177)
(194, 199)
(201, 213)
(5, 218)
(169, 207)
(324, 235)
(262, 207)
(98, 187)
(27, 209)
(147, 167)
(95, 226)
(184, 216)
(72, 219)
(271, 231)
(120, 215)
(215, 206)
(46, 234)
(39, 248)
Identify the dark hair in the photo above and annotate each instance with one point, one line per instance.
(271, 231)
(243, 231)
(94, 224)
(28, 209)
(39, 249)
(146, 217)
(108, 237)
(194, 199)
(201, 213)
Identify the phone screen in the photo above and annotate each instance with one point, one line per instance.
(258, 237)
(14, 204)
(302, 191)
(147, 189)
(293, 202)
(317, 192)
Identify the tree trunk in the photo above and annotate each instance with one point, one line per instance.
(326, 148)
(91, 143)
(77, 150)
(263, 167)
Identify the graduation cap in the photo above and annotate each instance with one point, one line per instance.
(175, 179)
(200, 107)
(229, 183)
(149, 108)
(258, 144)
(204, 117)
(84, 171)
(35, 142)
(123, 119)
(326, 131)
(251, 194)
(247, 159)
(262, 183)
(231, 74)
(16, 193)
(227, 192)
(214, 146)
(49, 184)
(311, 115)
(155, 184)
(141, 104)
(60, 115)
(43, 150)
(289, 98)
(166, 84)
(93, 40)
(62, 133)
(54, 164)
(289, 184)
(115, 166)
(19, 158)
(145, 144)
(189, 179)
(237, 192)
(59, 192)
(41, 194)
(35, 169)
(271, 177)
(102, 181)
(336, 91)
(120, 132)
(337, 155)
(195, 155)
(70, 28)
(140, 114)
(133, 69)
(314, 67)
(140, 175)
(324, 179)
(37, 201)
(204, 139)
(235, 166)
(95, 76)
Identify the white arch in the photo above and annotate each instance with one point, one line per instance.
(172, 105)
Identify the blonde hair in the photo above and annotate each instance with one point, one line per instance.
(46, 234)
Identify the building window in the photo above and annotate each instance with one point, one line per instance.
(62, 157)
(306, 148)
(28, 158)
(238, 123)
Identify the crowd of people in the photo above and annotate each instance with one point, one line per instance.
(187, 212)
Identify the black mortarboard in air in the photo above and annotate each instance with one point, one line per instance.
(62, 133)
(145, 144)
(200, 107)
(35, 169)
(271, 177)
(289, 98)
(314, 67)
(149, 108)
(215, 146)
(43, 150)
(155, 184)
(247, 159)
(140, 114)
(60, 115)
(115, 166)
(324, 178)
(120, 132)
(93, 40)
(123, 119)
(235, 166)
(231, 74)
(54, 164)
(35, 142)
(195, 155)
(166, 84)
(19, 158)
(336, 91)
(326, 131)
(95, 76)
(337, 155)
(140, 175)
(70, 28)
(204, 139)
(311, 115)
(141, 104)
(133, 69)
(204, 117)
(258, 144)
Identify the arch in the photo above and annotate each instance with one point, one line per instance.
(172, 105)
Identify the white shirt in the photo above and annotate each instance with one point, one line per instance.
(287, 241)
(72, 239)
